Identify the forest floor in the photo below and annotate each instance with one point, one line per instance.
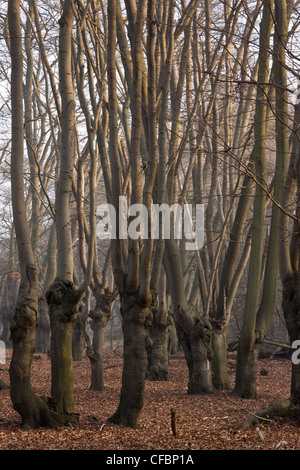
(207, 422)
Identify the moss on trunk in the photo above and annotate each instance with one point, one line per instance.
(219, 359)
(136, 323)
(159, 364)
(63, 304)
(195, 338)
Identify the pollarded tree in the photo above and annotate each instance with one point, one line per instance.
(88, 74)
(258, 316)
(194, 332)
(289, 236)
(236, 248)
(287, 140)
(34, 411)
(63, 296)
(134, 285)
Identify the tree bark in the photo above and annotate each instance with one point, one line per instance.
(245, 385)
(132, 281)
(100, 315)
(194, 331)
(43, 334)
(219, 358)
(35, 411)
(63, 296)
(63, 301)
(159, 363)
(136, 322)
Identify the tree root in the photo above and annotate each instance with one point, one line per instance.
(283, 408)
(3, 385)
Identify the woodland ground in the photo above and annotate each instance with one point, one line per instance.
(208, 422)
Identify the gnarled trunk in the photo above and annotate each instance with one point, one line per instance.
(251, 330)
(246, 370)
(136, 322)
(35, 411)
(291, 310)
(193, 331)
(159, 364)
(100, 315)
(195, 337)
(43, 334)
(63, 301)
(219, 358)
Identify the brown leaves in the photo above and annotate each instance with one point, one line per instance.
(204, 422)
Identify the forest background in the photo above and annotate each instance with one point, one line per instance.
(171, 102)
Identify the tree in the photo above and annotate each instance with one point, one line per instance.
(289, 234)
(93, 111)
(34, 411)
(132, 282)
(63, 296)
(257, 319)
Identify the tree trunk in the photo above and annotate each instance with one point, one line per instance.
(160, 334)
(100, 315)
(63, 301)
(245, 385)
(8, 300)
(34, 411)
(62, 296)
(219, 359)
(248, 343)
(173, 339)
(193, 331)
(43, 333)
(290, 305)
(96, 358)
(132, 271)
(195, 337)
(159, 364)
(136, 322)
(77, 340)
(23, 336)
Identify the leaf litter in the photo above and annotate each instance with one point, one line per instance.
(205, 422)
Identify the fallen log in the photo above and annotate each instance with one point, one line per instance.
(283, 408)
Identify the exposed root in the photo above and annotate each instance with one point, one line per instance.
(282, 408)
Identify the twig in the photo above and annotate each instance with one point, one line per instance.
(256, 416)
(258, 432)
(174, 422)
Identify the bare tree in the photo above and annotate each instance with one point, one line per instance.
(63, 296)
(135, 294)
(35, 411)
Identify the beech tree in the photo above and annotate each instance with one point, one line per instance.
(94, 111)
(288, 144)
(255, 267)
(34, 411)
(165, 103)
(63, 296)
(133, 282)
(257, 320)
